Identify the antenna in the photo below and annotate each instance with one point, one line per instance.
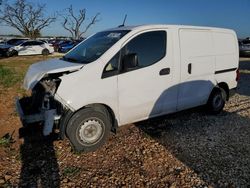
(124, 20)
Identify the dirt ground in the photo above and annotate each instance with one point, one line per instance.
(187, 149)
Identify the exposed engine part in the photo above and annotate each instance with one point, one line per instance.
(41, 105)
(49, 85)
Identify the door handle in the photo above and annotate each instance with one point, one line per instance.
(189, 68)
(164, 71)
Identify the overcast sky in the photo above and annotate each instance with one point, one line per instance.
(234, 14)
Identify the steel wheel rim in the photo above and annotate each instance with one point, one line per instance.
(217, 101)
(91, 131)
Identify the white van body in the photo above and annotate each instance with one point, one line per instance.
(192, 62)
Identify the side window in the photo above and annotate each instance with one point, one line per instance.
(149, 47)
(113, 63)
(111, 68)
(37, 43)
(25, 44)
(33, 43)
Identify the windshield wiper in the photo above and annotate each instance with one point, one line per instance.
(70, 59)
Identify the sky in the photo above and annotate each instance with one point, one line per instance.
(233, 14)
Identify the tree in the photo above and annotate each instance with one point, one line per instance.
(27, 18)
(74, 23)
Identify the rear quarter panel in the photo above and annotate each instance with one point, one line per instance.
(227, 56)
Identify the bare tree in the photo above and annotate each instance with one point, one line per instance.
(27, 18)
(74, 23)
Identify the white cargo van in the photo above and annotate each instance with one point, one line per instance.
(128, 74)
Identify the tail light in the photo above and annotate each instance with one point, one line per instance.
(237, 75)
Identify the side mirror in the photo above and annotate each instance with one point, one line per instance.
(130, 61)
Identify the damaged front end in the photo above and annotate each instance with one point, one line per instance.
(41, 107)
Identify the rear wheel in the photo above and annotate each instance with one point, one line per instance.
(88, 129)
(216, 101)
(45, 52)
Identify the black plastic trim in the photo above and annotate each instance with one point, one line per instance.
(225, 70)
(164, 71)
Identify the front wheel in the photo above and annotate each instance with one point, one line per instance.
(88, 129)
(216, 101)
(11, 53)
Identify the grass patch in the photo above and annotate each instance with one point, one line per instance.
(8, 77)
(245, 71)
(70, 171)
(6, 140)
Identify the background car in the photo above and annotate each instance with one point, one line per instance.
(244, 47)
(57, 42)
(4, 48)
(64, 48)
(31, 47)
(62, 43)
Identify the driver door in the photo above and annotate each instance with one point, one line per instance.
(145, 91)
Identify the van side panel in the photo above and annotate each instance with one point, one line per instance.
(227, 57)
(197, 67)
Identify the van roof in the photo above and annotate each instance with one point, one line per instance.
(156, 26)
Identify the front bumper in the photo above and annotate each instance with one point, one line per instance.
(47, 117)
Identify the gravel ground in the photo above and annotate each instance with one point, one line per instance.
(187, 149)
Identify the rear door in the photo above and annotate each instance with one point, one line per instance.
(37, 47)
(147, 91)
(197, 67)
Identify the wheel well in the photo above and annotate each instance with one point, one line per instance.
(225, 87)
(67, 115)
(109, 110)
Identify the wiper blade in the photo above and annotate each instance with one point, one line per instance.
(69, 59)
(85, 62)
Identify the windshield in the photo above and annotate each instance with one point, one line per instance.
(15, 41)
(92, 48)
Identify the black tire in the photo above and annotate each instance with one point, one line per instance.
(45, 52)
(84, 122)
(12, 53)
(216, 101)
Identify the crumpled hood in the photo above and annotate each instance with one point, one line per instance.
(38, 70)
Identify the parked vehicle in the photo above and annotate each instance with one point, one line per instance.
(58, 43)
(244, 47)
(67, 47)
(31, 47)
(4, 48)
(128, 74)
(2, 41)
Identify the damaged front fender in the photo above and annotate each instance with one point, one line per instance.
(42, 106)
(39, 70)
